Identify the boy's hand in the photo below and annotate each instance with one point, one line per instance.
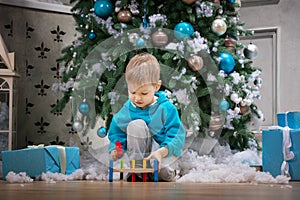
(113, 154)
(118, 152)
(159, 154)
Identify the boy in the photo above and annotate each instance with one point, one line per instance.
(148, 125)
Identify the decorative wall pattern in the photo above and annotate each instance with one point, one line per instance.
(37, 38)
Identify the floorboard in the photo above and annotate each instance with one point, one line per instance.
(135, 191)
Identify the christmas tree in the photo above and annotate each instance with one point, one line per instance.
(206, 72)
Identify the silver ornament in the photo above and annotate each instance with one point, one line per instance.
(251, 51)
(77, 125)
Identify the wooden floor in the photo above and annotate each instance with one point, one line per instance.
(40, 190)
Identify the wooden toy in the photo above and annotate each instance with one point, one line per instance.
(133, 170)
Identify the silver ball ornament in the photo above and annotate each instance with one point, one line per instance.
(251, 51)
(77, 125)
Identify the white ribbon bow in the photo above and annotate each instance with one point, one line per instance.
(286, 145)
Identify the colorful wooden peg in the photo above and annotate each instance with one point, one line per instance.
(119, 149)
(121, 167)
(155, 174)
(111, 170)
(133, 174)
(144, 174)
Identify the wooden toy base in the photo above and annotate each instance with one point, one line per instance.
(134, 170)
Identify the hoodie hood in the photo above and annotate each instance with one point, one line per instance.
(161, 98)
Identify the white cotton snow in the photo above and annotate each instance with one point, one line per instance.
(224, 167)
(220, 166)
(21, 177)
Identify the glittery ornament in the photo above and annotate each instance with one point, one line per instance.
(159, 38)
(124, 16)
(195, 62)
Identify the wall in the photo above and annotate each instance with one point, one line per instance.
(37, 38)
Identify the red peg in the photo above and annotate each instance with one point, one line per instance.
(119, 149)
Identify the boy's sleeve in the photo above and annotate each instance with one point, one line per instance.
(116, 134)
(175, 132)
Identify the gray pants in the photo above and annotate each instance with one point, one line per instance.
(140, 144)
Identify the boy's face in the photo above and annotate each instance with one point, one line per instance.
(143, 96)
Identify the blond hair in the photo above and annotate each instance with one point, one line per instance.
(142, 69)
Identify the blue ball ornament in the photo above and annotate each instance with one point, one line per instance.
(183, 30)
(140, 42)
(101, 132)
(231, 1)
(84, 108)
(103, 8)
(223, 105)
(226, 62)
(92, 35)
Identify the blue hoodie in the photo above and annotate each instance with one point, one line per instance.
(162, 119)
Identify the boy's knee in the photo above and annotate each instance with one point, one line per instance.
(138, 128)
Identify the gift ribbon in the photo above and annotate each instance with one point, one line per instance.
(286, 145)
(62, 158)
(36, 146)
(61, 155)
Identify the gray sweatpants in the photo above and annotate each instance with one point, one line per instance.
(140, 144)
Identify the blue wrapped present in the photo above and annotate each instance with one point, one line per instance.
(35, 161)
(290, 119)
(281, 152)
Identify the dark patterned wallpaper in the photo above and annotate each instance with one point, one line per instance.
(37, 38)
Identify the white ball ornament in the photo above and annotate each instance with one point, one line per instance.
(234, 97)
(219, 27)
(237, 110)
(238, 100)
(248, 102)
(77, 125)
(243, 102)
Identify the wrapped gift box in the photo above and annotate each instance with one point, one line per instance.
(290, 119)
(272, 152)
(35, 161)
